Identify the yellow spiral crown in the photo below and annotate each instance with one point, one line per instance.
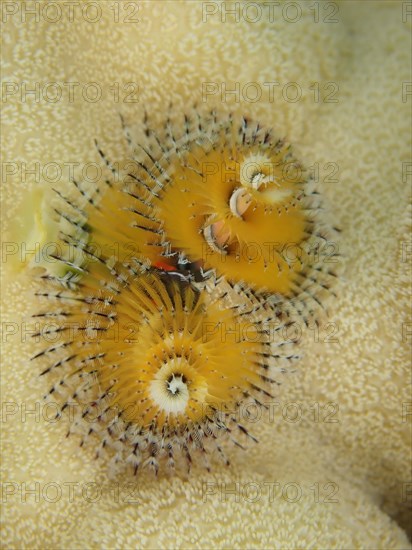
(171, 271)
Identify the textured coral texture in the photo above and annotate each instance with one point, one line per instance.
(332, 467)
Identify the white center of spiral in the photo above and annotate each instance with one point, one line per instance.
(169, 390)
(176, 384)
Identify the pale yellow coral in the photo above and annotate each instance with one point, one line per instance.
(363, 460)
